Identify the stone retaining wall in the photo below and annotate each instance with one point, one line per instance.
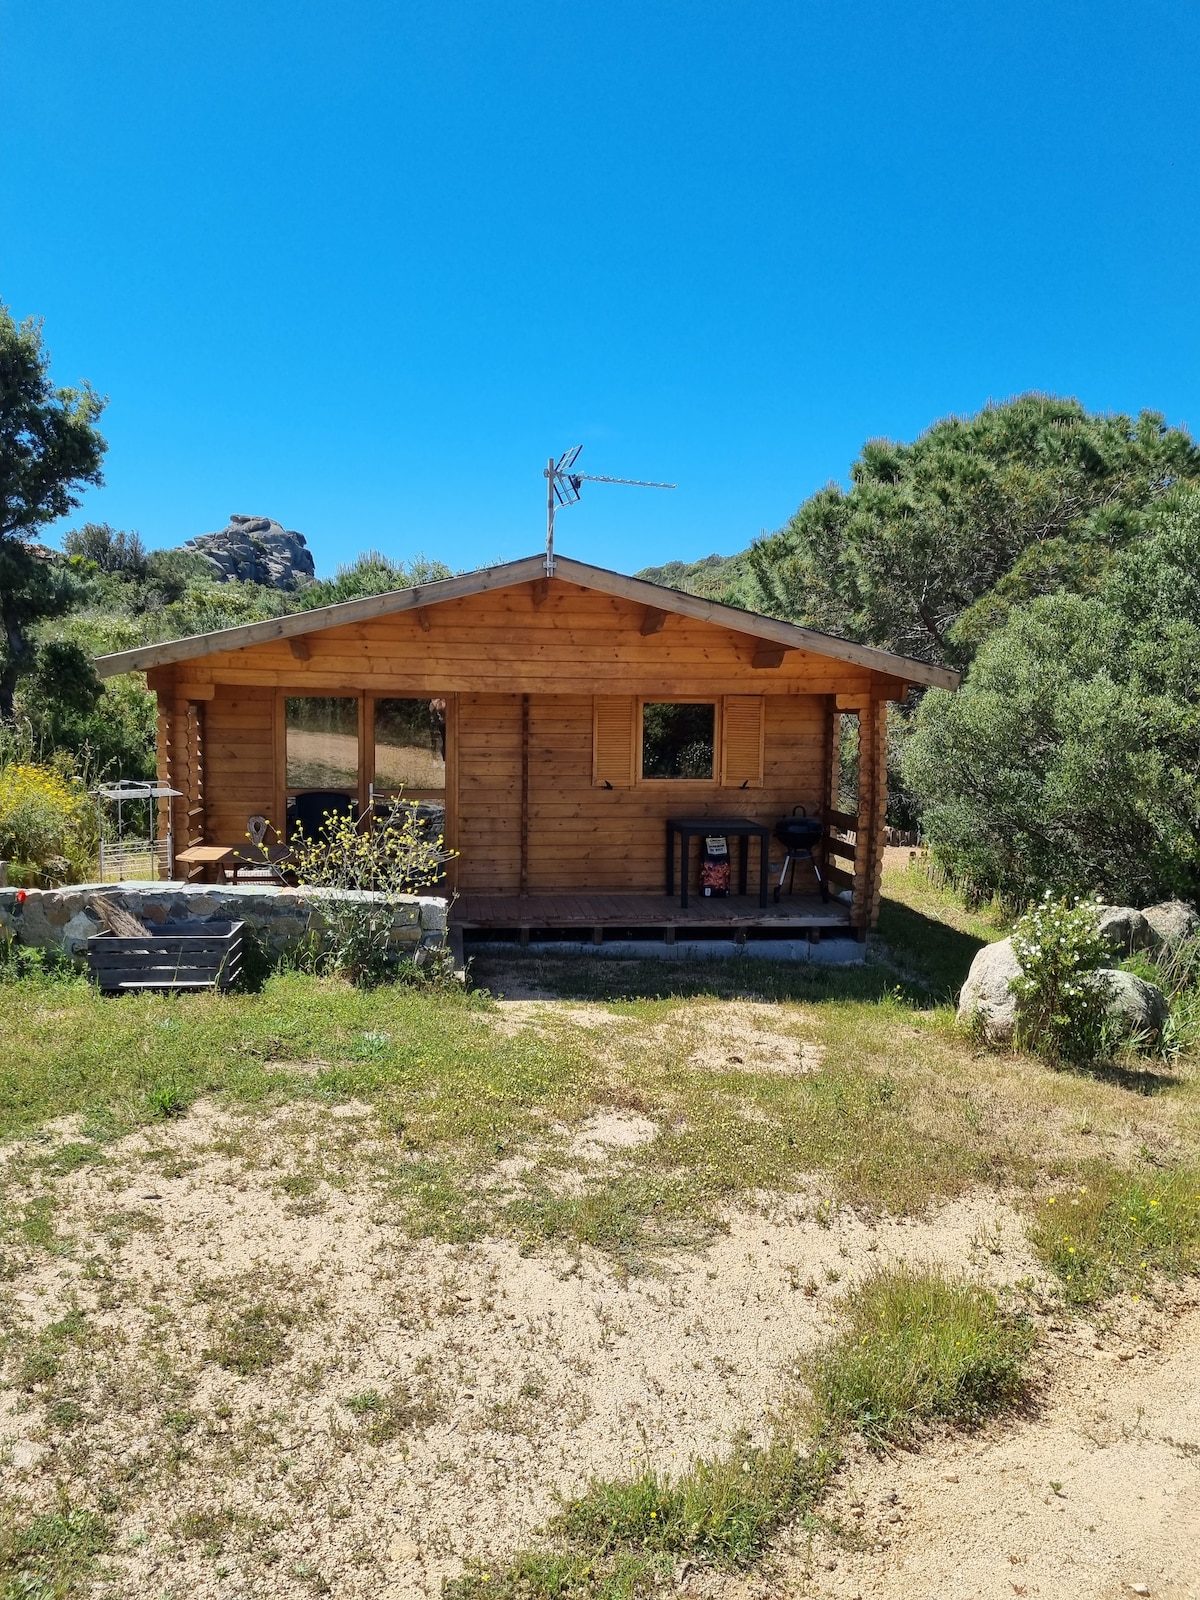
(280, 918)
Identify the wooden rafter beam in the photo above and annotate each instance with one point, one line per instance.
(652, 621)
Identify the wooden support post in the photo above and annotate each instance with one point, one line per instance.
(598, 934)
(833, 754)
(860, 906)
(879, 819)
(279, 763)
(872, 812)
(524, 885)
(451, 830)
(523, 935)
(171, 743)
(670, 933)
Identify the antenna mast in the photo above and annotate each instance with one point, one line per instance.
(562, 489)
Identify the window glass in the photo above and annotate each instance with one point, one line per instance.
(678, 739)
(322, 744)
(410, 744)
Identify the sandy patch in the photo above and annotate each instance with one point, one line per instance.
(505, 1380)
(744, 1036)
(513, 1016)
(611, 1130)
(1098, 1493)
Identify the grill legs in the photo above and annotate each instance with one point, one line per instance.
(789, 865)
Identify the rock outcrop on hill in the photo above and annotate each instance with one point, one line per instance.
(257, 550)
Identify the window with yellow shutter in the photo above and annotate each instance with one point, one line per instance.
(742, 741)
(612, 741)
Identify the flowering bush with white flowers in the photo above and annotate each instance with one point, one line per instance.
(1062, 997)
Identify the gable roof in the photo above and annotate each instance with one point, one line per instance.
(506, 575)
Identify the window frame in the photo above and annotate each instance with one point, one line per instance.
(365, 699)
(642, 701)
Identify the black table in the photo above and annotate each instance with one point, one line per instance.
(689, 828)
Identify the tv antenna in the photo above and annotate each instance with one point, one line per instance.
(562, 489)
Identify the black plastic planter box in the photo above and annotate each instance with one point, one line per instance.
(180, 955)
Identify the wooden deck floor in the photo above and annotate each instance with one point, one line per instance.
(643, 911)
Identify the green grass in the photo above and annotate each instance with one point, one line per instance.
(930, 931)
(453, 1094)
(51, 1556)
(1119, 1230)
(918, 1347)
(623, 1539)
(890, 1120)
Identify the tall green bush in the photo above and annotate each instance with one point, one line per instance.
(1070, 757)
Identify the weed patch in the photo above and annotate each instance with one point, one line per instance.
(383, 1417)
(251, 1339)
(51, 1556)
(918, 1348)
(1117, 1231)
(623, 1539)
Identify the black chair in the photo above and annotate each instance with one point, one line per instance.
(307, 812)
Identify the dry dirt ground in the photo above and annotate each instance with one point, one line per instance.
(283, 1397)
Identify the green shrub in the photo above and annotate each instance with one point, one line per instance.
(1062, 998)
(918, 1347)
(1070, 757)
(1118, 1229)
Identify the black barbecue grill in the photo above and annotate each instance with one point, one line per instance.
(799, 835)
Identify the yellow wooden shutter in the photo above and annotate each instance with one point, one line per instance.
(742, 741)
(612, 740)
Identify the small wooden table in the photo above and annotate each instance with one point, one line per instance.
(210, 858)
(689, 828)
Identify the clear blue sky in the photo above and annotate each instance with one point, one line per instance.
(363, 266)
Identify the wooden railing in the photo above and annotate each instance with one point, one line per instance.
(838, 849)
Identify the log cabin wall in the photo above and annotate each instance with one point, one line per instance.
(239, 771)
(580, 836)
(521, 668)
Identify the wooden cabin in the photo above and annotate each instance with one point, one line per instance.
(561, 721)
